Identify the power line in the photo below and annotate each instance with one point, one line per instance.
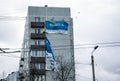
(103, 43)
(111, 46)
(11, 17)
(4, 52)
(24, 49)
(78, 46)
(13, 56)
(5, 18)
(9, 51)
(16, 17)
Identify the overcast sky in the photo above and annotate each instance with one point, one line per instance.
(95, 21)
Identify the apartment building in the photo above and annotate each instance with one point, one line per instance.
(48, 51)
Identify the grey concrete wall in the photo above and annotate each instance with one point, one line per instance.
(49, 11)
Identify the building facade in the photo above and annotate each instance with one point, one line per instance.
(48, 52)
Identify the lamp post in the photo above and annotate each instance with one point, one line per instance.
(92, 62)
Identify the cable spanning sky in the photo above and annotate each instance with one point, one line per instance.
(95, 22)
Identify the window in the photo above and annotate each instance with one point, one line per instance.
(41, 53)
(42, 66)
(35, 42)
(39, 66)
(37, 53)
(42, 78)
(37, 19)
(39, 78)
(38, 42)
(37, 30)
(33, 53)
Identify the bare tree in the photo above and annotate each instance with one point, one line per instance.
(64, 70)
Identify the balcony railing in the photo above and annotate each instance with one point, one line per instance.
(38, 36)
(37, 59)
(38, 47)
(37, 72)
(37, 25)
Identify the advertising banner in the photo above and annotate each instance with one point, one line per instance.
(50, 59)
(56, 27)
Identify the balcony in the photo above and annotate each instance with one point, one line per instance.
(38, 47)
(37, 25)
(37, 72)
(38, 36)
(37, 59)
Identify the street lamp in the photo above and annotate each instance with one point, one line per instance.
(92, 62)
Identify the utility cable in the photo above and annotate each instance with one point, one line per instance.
(2, 51)
(11, 52)
(13, 56)
(5, 18)
(82, 46)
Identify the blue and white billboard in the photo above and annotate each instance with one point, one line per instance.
(50, 59)
(56, 27)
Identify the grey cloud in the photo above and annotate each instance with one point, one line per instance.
(11, 32)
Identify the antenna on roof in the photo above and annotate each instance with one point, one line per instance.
(46, 5)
